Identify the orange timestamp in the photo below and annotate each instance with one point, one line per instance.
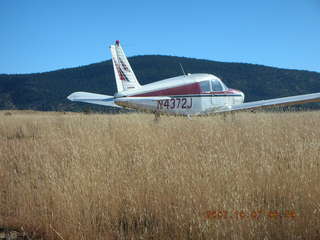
(256, 214)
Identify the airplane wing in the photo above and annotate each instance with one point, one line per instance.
(284, 101)
(93, 98)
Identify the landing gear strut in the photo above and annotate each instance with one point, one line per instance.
(156, 116)
(231, 114)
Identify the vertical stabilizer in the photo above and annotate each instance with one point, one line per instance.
(125, 77)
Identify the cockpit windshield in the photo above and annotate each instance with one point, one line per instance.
(205, 86)
(214, 85)
(218, 86)
(224, 86)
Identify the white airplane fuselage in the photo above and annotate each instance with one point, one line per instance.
(190, 94)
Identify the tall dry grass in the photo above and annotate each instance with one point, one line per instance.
(79, 176)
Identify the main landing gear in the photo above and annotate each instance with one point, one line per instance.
(232, 116)
(156, 116)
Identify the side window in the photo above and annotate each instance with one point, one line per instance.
(216, 86)
(205, 86)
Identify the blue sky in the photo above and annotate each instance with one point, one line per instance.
(43, 35)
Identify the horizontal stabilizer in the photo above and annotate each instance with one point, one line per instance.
(93, 98)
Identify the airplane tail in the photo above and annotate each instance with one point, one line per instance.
(125, 77)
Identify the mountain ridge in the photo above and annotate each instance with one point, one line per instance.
(48, 90)
(161, 55)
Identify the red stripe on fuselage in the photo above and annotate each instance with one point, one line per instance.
(189, 89)
(193, 88)
(229, 91)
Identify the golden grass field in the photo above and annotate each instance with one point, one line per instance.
(75, 176)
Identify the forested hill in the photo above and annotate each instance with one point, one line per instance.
(48, 91)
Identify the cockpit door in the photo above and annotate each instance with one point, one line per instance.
(217, 88)
(206, 93)
(212, 94)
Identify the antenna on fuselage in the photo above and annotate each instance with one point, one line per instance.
(182, 69)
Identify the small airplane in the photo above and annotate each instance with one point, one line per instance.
(191, 94)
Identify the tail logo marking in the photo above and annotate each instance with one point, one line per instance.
(122, 76)
(124, 66)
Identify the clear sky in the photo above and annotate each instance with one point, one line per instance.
(45, 35)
